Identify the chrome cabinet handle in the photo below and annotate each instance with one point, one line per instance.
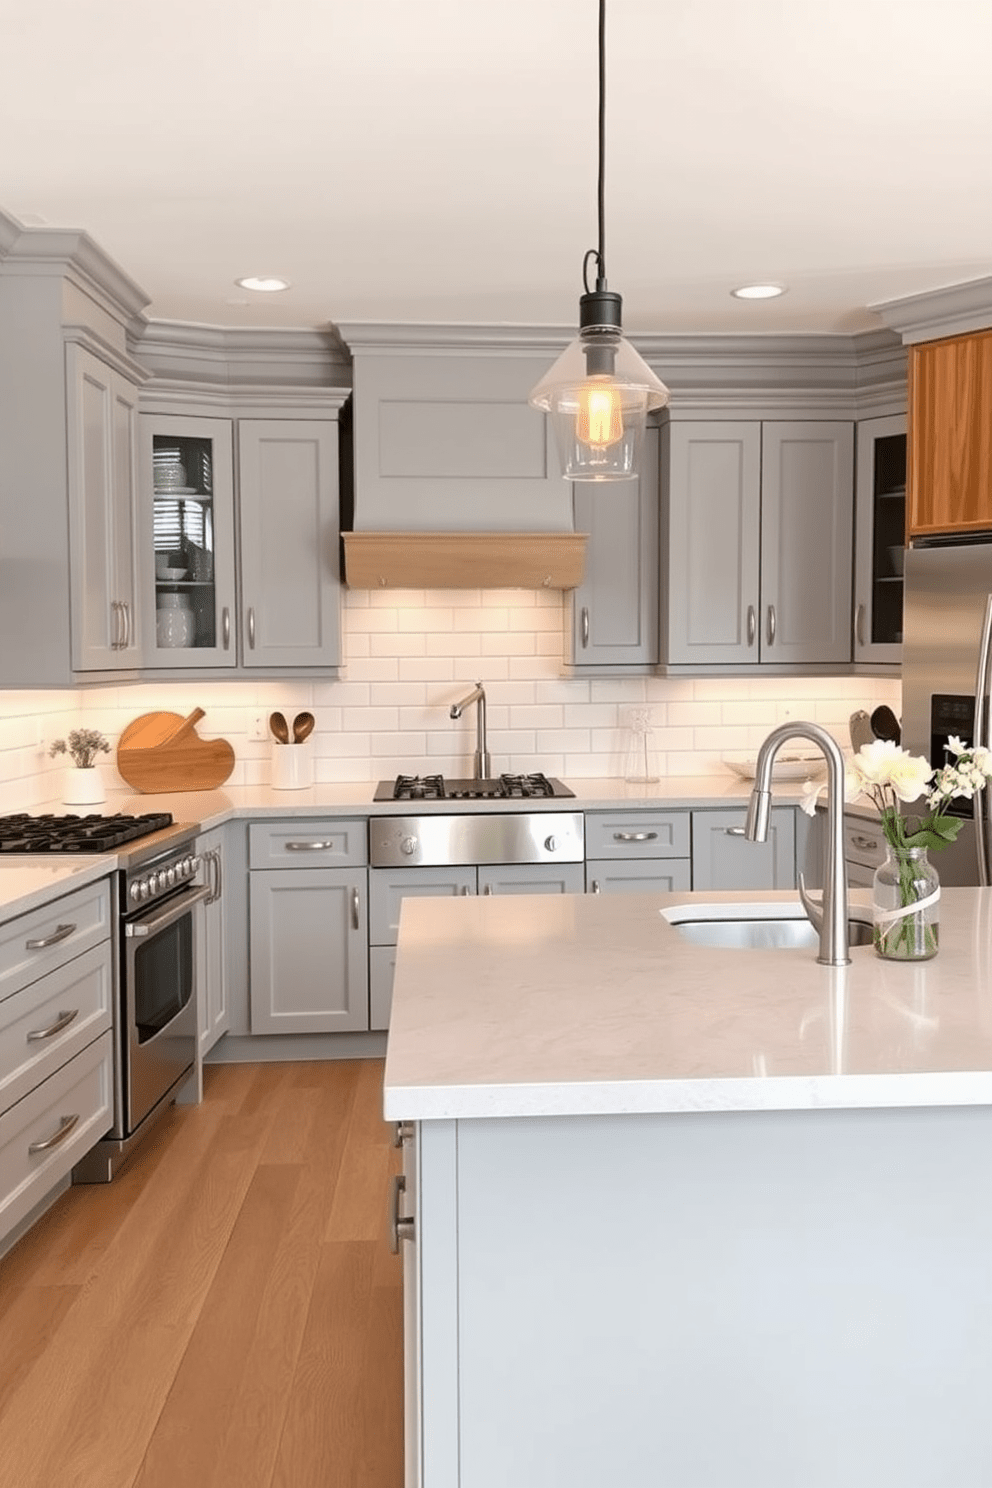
(212, 859)
(634, 836)
(867, 844)
(488, 889)
(115, 615)
(464, 890)
(308, 846)
(734, 831)
(585, 626)
(595, 886)
(752, 625)
(772, 625)
(859, 625)
(127, 625)
(401, 1227)
(61, 933)
(62, 1021)
(251, 627)
(68, 1122)
(219, 865)
(225, 627)
(356, 910)
(403, 1132)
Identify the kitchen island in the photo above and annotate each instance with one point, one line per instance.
(689, 1216)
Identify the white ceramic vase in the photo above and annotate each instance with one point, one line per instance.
(83, 787)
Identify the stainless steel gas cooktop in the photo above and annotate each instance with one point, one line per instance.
(501, 788)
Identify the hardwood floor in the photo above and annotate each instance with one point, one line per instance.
(226, 1313)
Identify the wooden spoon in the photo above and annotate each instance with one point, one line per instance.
(279, 727)
(302, 727)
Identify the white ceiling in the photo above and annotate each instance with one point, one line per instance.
(435, 160)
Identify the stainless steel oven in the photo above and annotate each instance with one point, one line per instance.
(156, 1004)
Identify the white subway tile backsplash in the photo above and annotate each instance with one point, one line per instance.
(410, 654)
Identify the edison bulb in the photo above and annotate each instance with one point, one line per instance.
(599, 422)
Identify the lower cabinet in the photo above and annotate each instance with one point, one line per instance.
(211, 952)
(388, 887)
(308, 927)
(722, 857)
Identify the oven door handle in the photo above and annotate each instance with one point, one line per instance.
(174, 911)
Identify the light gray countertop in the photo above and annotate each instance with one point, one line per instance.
(544, 1005)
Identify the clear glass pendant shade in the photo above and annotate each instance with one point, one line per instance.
(598, 394)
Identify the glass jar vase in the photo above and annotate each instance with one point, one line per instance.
(905, 900)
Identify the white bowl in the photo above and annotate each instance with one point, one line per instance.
(788, 766)
(171, 575)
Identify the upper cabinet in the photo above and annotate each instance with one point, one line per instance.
(612, 617)
(757, 534)
(880, 522)
(241, 532)
(950, 436)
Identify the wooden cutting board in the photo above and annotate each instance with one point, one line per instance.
(163, 752)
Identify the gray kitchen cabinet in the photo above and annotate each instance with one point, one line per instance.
(757, 525)
(723, 858)
(258, 504)
(308, 926)
(612, 617)
(101, 430)
(636, 852)
(212, 990)
(880, 535)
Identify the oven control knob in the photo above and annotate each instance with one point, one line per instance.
(551, 844)
(134, 892)
(143, 889)
(189, 866)
(152, 883)
(408, 845)
(170, 877)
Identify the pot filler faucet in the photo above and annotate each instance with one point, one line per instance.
(481, 765)
(830, 918)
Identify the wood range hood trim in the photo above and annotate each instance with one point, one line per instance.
(464, 560)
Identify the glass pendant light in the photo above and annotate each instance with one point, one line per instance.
(600, 391)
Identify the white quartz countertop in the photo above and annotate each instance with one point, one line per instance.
(572, 1005)
(26, 884)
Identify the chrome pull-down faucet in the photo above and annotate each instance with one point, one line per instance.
(831, 921)
(481, 763)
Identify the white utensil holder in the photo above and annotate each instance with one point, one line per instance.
(292, 766)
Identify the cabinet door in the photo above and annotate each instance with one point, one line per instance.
(639, 876)
(532, 878)
(290, 532)
(614, 611)
(211, 988)
(711, 544)
(188, 552)
(807, 525)
(879, 537)
(309, 950)
(723, 858)
(388, 887)
(101, 428)
(950, 435)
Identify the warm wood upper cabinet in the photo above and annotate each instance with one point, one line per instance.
(950, 436)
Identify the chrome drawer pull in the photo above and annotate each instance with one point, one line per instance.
(859, 626)
(595, 886)
(251, 628)
(734, 831)
(403, 1133)
(772, 625)
(62, 933)
(308, 846)
(400, 1228)
(585, 626)
(68, 1122)
(356, 910)
(62, 1021)
(225, 628)
(634, 836)
(752, 625)
(867, 844)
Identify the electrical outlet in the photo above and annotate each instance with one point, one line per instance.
(258, 729)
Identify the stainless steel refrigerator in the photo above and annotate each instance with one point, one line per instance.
(947, 632)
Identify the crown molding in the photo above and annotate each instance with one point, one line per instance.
(953, 310)
(70, 254)
(237, 356)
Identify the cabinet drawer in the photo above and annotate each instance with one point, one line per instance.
(864, 842)
(663, 876)
(315, 842)
(80, 1093)
(637, 834)
(48, 1022)
(33, 944)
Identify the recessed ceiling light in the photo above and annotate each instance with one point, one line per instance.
(262, 284)
(758, 291)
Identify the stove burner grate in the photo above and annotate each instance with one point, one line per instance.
(21, 833)
(504, 788)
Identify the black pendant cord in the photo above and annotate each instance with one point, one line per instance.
(599, 254)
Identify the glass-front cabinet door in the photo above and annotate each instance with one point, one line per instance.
(879, 539)
(187, 506)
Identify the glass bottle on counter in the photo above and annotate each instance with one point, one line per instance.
(640, 751)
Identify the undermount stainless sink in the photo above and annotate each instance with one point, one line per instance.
(753, 927)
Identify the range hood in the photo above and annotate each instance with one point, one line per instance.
(454, 482)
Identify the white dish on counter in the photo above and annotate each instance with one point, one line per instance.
(788, 766)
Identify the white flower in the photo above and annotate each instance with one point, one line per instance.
(955, 746)
(812, 789)
(883, 763)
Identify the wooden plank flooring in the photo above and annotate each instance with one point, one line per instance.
(226, 1313)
